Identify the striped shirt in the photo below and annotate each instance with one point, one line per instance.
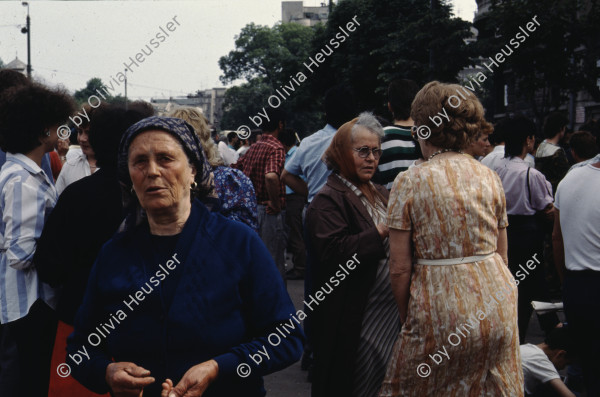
(26, 198)
(381, 321)
(398, 153)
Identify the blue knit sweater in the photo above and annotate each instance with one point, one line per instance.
(227, 304)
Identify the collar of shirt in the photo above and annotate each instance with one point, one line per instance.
(291, 152)
(329, 129)
(351, 185)
(268, 137)
(499, 148)
(25, 161)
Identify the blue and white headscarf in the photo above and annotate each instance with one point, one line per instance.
(185, 134)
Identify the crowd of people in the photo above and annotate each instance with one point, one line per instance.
(148, 255)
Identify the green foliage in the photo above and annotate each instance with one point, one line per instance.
(393, 40)
(268, 59)
(558, 58)
(93, 84)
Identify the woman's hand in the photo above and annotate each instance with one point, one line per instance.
(127, 379)
(194, 382)
(383, 230)
(62, 147)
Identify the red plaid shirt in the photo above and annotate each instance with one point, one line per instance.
(265, 156)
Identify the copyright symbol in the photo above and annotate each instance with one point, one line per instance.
(423, 132)
(243, 132)
(63, 132)
(423, 370)
(243, 370)
(63, 370)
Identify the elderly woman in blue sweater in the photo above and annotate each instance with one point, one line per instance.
(182, 295)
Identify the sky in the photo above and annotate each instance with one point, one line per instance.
(73, 41)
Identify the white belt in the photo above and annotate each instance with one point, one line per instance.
(454, 261)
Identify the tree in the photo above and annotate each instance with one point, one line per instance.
(269, 59)
(557, 60)
(393, 40)
(1, 64)
(95, 86)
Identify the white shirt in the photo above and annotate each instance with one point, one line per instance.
(228, 155)
(242, 150)
(529, 159)
(577, 200)
(75, 168)
(26, 198)
(492, 159)
(513, 174)
(537, 367)
(546, 149)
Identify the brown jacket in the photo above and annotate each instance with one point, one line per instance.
(338, 227)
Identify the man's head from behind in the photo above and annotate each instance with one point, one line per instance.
(555, 123)
(583, 146)
(401, 93)
(340, 106)
(275, 122)
(559, 347)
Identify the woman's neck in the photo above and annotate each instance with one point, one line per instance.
(523, 153)
(37, 154)
(168, 222)
(91, 160)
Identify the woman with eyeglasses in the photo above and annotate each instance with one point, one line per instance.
(356, 320)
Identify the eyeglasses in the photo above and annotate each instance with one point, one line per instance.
(363, 152)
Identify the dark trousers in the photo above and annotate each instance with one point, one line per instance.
(294, 205)
(581, 291)
(525, 243)
(34, 337)
(9, 367)
(271, 229)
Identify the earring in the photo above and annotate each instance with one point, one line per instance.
(47, 132)
(194, 186)
(132, 191)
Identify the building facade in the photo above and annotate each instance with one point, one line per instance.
(295, 12)
(209, 101)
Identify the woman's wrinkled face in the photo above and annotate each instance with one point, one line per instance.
(160, 171)
(365, 167)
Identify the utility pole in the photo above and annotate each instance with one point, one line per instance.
(125, 89)
(433, 9)
(28, 31)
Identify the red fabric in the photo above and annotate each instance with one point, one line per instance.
(55, 164)
(64, 387)
(265, 156)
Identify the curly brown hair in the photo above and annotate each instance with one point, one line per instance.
(465, 113)
(26, 112)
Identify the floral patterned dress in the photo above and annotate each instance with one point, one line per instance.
(460, 337)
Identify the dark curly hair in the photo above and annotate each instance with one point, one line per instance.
(466, 119)
(11, 78)
(26, 112)
(107, 126)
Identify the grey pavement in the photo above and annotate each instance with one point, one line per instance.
(291, 382)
